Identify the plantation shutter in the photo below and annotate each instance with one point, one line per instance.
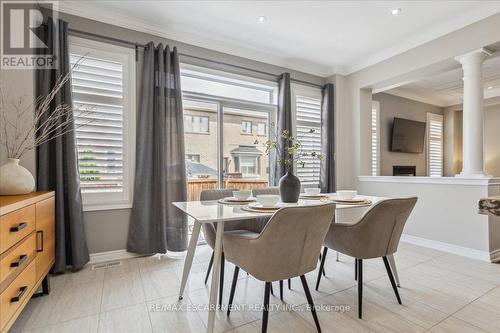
(435, 144)
(375, 138)
(98, 90)
(308, 116)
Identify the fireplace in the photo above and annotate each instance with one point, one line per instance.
(404, 170)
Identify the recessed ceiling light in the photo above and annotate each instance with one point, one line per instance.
(490, 87)
(261, 19)
(396, 11)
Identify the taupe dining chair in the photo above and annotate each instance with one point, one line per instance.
(209, 230)
(376, 235)
(287, 247)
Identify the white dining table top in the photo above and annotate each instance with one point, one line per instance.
(213, 211)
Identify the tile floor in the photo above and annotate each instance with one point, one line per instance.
(440, 292)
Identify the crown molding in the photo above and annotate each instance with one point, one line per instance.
(415, 97)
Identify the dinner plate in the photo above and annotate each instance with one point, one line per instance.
(313, 196)
(234, 199)
(256, 205)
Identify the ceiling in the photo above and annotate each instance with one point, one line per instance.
(317, 37)
(446, 89)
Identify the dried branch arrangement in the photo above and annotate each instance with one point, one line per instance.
(25, 126)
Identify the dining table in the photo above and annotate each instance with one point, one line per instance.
(214, 211)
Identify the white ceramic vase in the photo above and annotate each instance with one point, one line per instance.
(15, 179)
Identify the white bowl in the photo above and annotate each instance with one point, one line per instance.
(268, 200)
(346, 194)
(242, 194)
(312, 190)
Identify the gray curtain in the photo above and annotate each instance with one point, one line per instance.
(160, 174)
(327, 166)
(284, 122)
(57, 161)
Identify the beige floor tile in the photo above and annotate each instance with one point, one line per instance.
(133, 318)
(170, 315)
(81, 325)
(483, 312)
(283, 322)
(467, 266)
(122, 286)
(454, 325)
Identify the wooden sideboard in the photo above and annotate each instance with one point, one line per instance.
(27, 251)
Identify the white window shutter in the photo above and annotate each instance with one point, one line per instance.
(98, 89)
(434, 145)
(375, 138)
(308, 116)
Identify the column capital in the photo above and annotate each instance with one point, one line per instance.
(476, 56)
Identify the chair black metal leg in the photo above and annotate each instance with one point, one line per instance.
(233, 288)
(321, 266)
(272, 291)
(360, 288)
(281, 290)
(355, 269)
(265, 312)
(289, 284)
(221, 284)
(210, 263)
(323, 271)
(391, 277)
(310, 301)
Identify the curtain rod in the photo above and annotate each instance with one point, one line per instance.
(81, 33)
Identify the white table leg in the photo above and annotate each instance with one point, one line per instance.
(215, 277)
(337, 257)
(189, 257)
(392, 263)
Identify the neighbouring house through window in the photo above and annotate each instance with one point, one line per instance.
(246, 127)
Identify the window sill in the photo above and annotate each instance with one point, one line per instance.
(111, 206)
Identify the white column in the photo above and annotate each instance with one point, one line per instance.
(473, 113)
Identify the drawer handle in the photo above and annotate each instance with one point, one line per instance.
(39, 241)
(20, 294)
(22, 259)
(19, 227)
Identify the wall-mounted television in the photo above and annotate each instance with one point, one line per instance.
(408, 136)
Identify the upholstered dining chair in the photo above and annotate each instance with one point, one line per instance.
(287, 247)
(376, 235)
(209, 231)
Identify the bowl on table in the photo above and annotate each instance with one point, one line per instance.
(242, 194)
(346, 194)
(268, 200)
(312, 191)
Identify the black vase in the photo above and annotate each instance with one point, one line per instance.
(289, 188)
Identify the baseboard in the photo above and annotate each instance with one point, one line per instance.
(450, 248)
(111, 256)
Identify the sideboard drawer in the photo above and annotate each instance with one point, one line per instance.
(16, 294)
(15, 226)
(17, 258)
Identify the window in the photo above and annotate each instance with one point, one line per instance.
(375, 137)
(248, 165)
(104, 85)
(196, 124)
(246, 127)
(193, 158)
(434, 145)
(307, 105)
(262, 129)
(233, 105)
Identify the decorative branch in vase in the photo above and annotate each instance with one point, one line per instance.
(25, 126)
(288, 150)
